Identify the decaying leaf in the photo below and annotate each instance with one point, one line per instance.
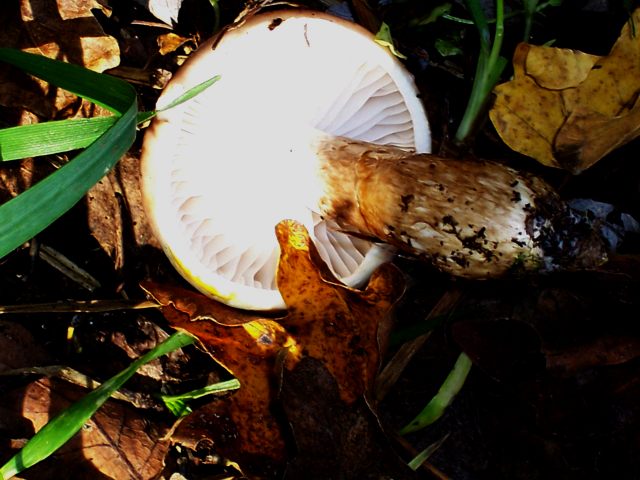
(568, 109)
(117, 441)
(336, 326)
(115, 211)
(170, 42)
(243, 426)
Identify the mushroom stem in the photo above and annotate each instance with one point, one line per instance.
(469, 218)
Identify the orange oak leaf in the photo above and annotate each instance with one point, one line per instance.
(242, 426)
(337, 325)
(340, 327)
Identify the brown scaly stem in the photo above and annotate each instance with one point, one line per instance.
(469, 218)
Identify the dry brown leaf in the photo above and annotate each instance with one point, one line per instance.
(332, 323)
(326, 321)
(128, 173)
(568, 109)
(170, 42)
(67, 30)
(18, 348)
(243, 426)
(104, 217)
(115, 211)
(557, 68)
(334, 439)
(602, 351)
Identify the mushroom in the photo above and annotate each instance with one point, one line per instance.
(218, 173)
(313, 121)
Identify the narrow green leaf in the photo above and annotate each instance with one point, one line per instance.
(177, 404)
(188, 95)
(24, 216)
(59, 430)
(51, 137)
(108, 92)
(424, 455)
(439, 403)
(30, 212)
(489, 67)
(481, 22)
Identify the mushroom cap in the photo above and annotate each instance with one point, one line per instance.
(222, 169)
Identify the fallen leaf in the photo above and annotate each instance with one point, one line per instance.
(339, 327)
(242, 427)
(115, 211)
(557, 68)
(170, 42)
(104, 216)
(602, 351)
(18, 348)
(67, 30)
(332, 323)
(568, 109)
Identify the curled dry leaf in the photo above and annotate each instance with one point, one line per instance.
(337, 326)
(568, 109)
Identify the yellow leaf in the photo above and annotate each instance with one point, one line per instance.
(527, 122)
(568, 109)
(558, 68)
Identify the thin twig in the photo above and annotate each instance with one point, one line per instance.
(79, 306)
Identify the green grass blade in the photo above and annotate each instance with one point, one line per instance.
(177, 404)
(64, 135)
(188, 95)
(489, 67)
(438, 404)
(424, 455)
(30, 212)
(108, 92)
(24, 216)
(51, 137)
(59, 430)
